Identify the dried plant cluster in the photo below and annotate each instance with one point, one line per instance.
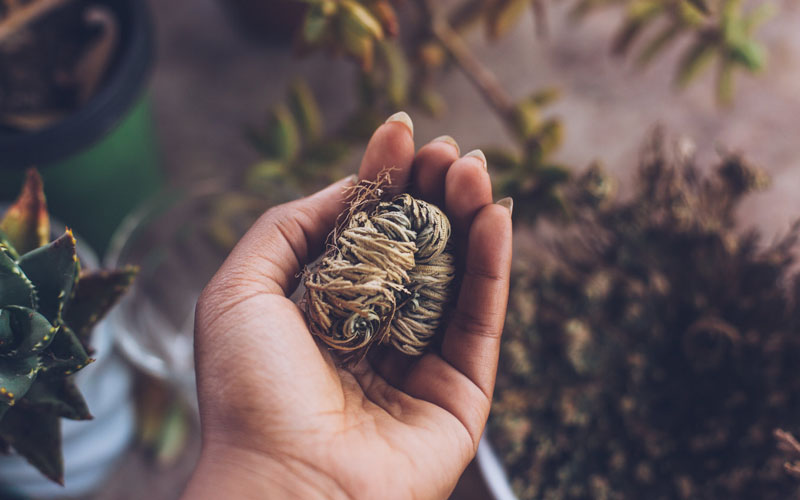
(387, 276)
(653, 352)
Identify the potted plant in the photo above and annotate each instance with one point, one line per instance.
(72, 101)
(49, 310)
(650, 347)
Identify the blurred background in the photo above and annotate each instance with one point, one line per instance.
(654, 359)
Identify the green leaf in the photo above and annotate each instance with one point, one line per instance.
(23, 332)
(37, 437)
(696, 58)
(53, 269)
(398, 74)
(360, 21)
(95, 294)
(432, 102)
(527, 119)
(501, 160)
(315, 26)
(503, 15)
(553, 174)
(357, 44)
(305, 110)
(700, 5)
(640, 14)
(65, 356)
(264, 176)
(280, 139)
(545, 96)
(16, 377)
(551, 135)
(748, 54)
(660, 42)
(725, 89)
(15, 288)
(26, 223)
(59, 397)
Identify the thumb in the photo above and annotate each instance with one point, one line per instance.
(270, 255)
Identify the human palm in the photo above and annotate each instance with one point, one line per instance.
(281, 418)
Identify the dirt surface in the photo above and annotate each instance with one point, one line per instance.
(210, 81)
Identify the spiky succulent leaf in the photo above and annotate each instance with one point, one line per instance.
(46, 316)
(53, 270)
(6, 247)
(37, 437)
(95, 294)
(66, 354)
(16, 377)
(26, 223)
(59, 397)
(23, 332)
(15, 288)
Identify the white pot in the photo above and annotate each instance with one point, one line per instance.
(91, 447)
(493, 472)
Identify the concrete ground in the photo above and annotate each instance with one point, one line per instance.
(210, 81)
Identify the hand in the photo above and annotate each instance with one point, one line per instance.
(280, 419)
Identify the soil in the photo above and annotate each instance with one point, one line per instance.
(40, 78)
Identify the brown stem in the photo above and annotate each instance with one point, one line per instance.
(21, 17)
(487, 83)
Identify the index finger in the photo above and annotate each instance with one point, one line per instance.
(390, 148)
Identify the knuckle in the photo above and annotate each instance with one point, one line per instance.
(471, 322)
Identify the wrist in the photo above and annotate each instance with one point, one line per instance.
(227, 472)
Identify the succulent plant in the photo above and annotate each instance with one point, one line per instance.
(653, 351)
(48, 307)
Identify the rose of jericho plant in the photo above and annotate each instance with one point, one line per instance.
(48, 307)
(651, 351)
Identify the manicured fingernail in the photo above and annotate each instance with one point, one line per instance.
(402, 117)
(477, 153)
(507, 203)
(449, 140)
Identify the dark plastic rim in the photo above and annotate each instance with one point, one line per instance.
(104, 111)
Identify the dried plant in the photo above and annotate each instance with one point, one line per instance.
(651, 351)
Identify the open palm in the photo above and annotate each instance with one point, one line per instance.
(281, 419)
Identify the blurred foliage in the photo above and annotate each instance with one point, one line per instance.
(303, 153)
(650, 350)
(718, 29)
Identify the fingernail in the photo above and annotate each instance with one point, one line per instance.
(477, 153)
(449, 140)
(507, 203)
(351, 179)
(402, 117)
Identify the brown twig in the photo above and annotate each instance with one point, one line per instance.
(21, 17)
(481, 77)
(486, 82)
